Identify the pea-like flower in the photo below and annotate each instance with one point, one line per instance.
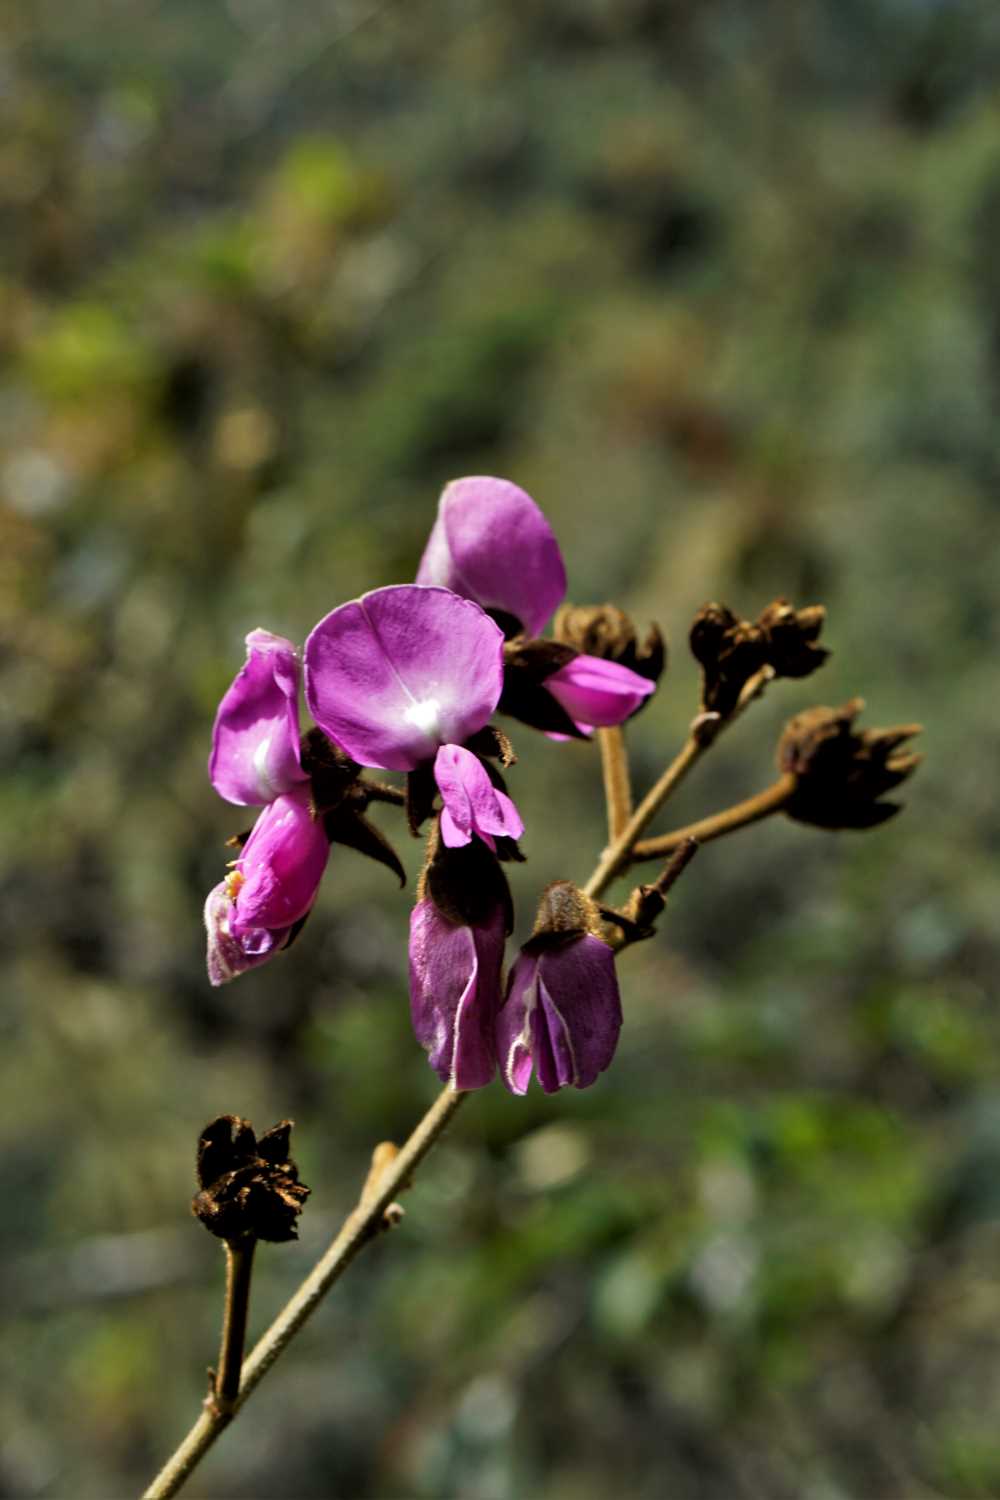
(270, 888)
(597, 693)
(255, 760)
(455, 992)
(400, 679)
(563, 1013)
(492, 544)
(255, 742)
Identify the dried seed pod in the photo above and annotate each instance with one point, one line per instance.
(250, 1188)
(842, 773)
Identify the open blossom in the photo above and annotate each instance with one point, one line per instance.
(250, 915)
(401, 678)
(491, 543)
(255, 740)
(455, 992)
(562, 1015)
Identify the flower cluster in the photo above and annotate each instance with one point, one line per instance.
(407, 678)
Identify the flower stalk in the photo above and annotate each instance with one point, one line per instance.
(617, 780)
(239, 1270)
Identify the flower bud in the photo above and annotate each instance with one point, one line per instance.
(606, 631)
(731, 651)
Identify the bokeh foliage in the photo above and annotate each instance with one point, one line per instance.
(718, 284)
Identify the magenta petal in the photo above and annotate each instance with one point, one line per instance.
(563, 1013)
(472, 804)
(228, 955)
(491, 543)
(515, 1025)
(255, 741)
(400, 671)
(597, 692)
(455, 993)
(280, 866)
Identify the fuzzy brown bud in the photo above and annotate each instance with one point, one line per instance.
(250, 1188)
(731, 651)
(843, 773)
(565, 912)
(607, 631)
(790, 635)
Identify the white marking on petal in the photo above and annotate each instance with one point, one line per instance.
(265, 781)
(426, 717)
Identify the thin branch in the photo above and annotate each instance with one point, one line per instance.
(358, 1229)
(617, 781)
(705, 730)
(741, 815)
(617, 855)
(239, 1269)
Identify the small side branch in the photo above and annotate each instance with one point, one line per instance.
(359, 1227)
(771, 800)
(239, 1269)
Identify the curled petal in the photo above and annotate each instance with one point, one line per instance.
(229, 955)
(253, 913)
(279, 869)
(402, 670)
(455, 993)
(472, 804)
(491, 543)
(598, 693)
(255, 741)
(562, 1014)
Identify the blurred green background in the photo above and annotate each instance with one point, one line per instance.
(719, 284)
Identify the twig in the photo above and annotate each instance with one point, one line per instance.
(741, 815)
(616, 857)
(239, 1269)
(358, 1228)
(704, 731)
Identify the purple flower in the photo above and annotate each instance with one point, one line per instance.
(597, 693)
(400, 673)
(271, 887)
(562, 1015)
(472, 804)
(491, 543)
(255, 741)
(455, 992)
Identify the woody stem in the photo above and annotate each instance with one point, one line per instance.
(616, 856)
(741, 815)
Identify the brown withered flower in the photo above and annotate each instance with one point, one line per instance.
(250, 1188)
(605, 630)
(731, 651)
(843, 773)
